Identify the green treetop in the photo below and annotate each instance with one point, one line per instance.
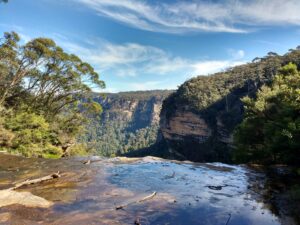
(270, 132)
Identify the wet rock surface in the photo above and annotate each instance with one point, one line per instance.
(185, 192)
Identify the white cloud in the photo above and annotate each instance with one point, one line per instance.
(236, 54)
(210, 67)
(234, 16)
(24, 38)
(128, 59)
(131, 59)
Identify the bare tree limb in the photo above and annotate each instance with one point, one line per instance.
(35, 181)
(138, 201)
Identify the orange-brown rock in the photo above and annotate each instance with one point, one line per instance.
(184, 124)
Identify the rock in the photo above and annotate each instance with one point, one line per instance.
(4, 217)
(9, 197)
(184, 124)
(199, 136)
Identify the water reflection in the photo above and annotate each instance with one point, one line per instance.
(187, 193)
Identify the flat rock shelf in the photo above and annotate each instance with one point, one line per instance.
(133, 191)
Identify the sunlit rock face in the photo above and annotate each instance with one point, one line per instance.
(186, 193)
(185, 124)
(138, 109)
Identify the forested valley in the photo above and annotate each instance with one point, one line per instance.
(129, 121)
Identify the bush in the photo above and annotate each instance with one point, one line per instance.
(79, 150)
(30, 135)
(270, 132)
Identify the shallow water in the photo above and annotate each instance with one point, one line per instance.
(187, 193)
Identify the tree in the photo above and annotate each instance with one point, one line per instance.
(39, 81)
(53, 78)
(270, 131)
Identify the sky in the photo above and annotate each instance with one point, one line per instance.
(158, 44)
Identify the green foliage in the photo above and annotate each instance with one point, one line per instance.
(32, 135)
(270, 132)
(117, 133)
(139, 95)
(40, 90)
(114, 137)
(45, 77)
(204, 92)
(217, 100)
(80, 149)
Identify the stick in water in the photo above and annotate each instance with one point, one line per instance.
(228, 219)
(141, 200)
(38, 180)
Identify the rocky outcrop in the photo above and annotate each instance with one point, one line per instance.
(185, 124)
(198, 120)
(205, 135)
(137, 109)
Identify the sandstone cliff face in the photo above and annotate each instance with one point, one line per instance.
(202, 136)
(197, 121)
(137, 111)
(185, 124)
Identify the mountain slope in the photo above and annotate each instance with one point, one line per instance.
(197, 121)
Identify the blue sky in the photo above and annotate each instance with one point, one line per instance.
(158, 44)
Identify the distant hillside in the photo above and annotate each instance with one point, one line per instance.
(129, 121)
(197, 120)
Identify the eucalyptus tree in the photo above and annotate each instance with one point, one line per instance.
(48, 94)
(43, 74)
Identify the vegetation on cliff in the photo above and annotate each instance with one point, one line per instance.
(270, 131)
(40, 88)
(203, 91)
(217, 100)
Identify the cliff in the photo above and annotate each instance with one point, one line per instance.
(129, 121)
(138, 109)
(198, 120)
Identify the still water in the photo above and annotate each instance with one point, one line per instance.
(186, 193)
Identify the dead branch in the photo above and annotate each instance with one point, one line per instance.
(91, 161)
(87, 162)
(138, 201)
(35, 181)
(229, 217)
